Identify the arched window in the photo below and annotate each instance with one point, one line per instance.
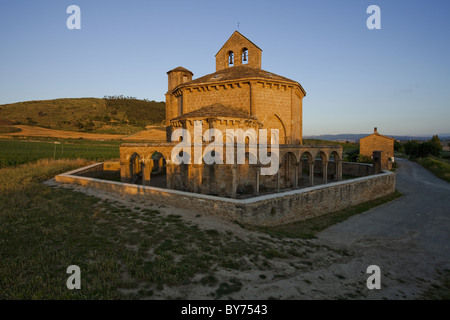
(244, 56)
(230, 58)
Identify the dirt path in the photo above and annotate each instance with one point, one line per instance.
(152, 133)
(407, 238)
(30, 131)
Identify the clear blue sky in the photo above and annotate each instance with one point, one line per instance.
(396, 78)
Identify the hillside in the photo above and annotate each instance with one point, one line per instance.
(110, 115)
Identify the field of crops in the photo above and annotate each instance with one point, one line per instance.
(15, 152)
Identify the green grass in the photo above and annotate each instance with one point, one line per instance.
(440, 290)
(122, 252)
(16, 152)
(438, 166)
(308, 229)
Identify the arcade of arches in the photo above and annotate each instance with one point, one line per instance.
(299, 167)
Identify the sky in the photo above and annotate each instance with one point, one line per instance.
(396, 78)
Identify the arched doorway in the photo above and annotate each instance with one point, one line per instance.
(334, 166)
(287, 171)
(307, 170)
(136, 168)
(321, 167)
(158, 176)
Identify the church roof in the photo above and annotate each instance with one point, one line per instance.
(236, 73)
(179, 69)
(215, 111)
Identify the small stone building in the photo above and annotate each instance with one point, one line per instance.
(238, 95)
(378, 142)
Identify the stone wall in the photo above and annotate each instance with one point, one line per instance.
(357, 169)
(268, 210)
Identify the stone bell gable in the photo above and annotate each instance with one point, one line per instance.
(237, 51)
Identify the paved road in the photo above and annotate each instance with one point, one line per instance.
(408, 238)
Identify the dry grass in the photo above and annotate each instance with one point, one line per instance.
(31, 131)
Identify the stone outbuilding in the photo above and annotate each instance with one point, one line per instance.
(378, 142)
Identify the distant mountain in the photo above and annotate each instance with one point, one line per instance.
(352, 137)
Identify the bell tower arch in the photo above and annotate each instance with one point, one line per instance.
(244, 52)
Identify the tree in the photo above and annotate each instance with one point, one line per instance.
(435, 140)
(421, 150)
(397, 146)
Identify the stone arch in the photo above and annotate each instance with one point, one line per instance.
(321, 166)
(334, 166)
(244, 56)
(180, 171)
(283, 135)
(135, 162)
(230, 58)
(275, 122)
(306, 169)
(288, 171)
(157, 167)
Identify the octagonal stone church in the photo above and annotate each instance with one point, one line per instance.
(238, 95)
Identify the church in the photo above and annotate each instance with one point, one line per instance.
(238, 88)
(238, 95)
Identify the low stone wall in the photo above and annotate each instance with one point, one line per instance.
(111, 166)
(93, 170)
(267, 210)
(357, 169)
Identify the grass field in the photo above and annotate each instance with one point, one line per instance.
(437, 165)
(123, 252)
(16, 152)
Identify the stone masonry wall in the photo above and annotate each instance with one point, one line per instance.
(268, 210)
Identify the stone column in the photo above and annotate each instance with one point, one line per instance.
(161, 164)
(234, 181)
(338, 170)
(196, 176)
(311, 173)
(256, 184)
(170, 176)
(147, 167)
(278, 181)
(300, 172)
(297, 165)
(125, 174)
(325, 171)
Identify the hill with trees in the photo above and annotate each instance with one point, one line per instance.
(111, 114)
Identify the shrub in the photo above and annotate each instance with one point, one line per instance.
(364, 159)
(421, 150)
